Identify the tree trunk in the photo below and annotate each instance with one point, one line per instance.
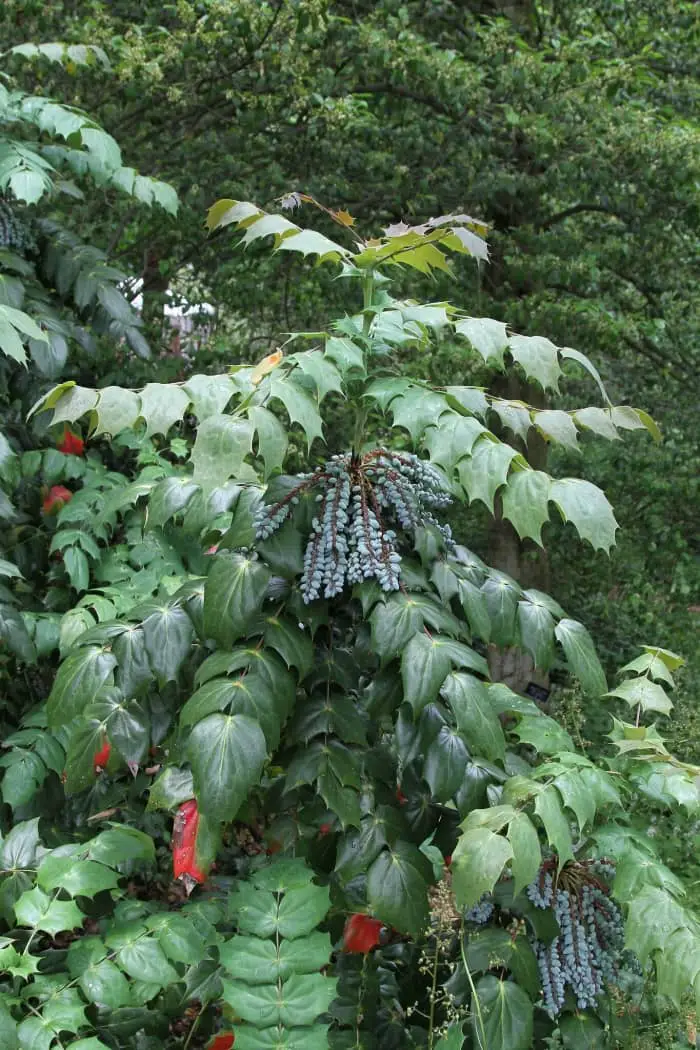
(527, 563)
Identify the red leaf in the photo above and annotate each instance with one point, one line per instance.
(102, 756)
(185, 843)
(223, 1041)
(71, 445)
(361, 934)
(58, 496)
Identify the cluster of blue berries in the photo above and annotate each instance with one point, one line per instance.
(480, 912)
(359, 497)
(586, 953)
(14, 231)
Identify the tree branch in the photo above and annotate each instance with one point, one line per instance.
(577, 209)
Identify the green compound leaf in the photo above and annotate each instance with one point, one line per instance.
(536, 625)
(424, 666)
(233, 596)
(487, 336)
(588, 509)
(227, 754)
(167, 636)
(475, 715)
(78, 681)
(643, 693)
(527, 855)
(505, 1017)
(277, 1038)
(397, 884)
(538, 357)
(219, 451)
(548, 808)
(526, 502)
(36, 909)
(301, 910)
(478, 860)
(483, 473)
(83, 878)
(100, 980)
(581, 655)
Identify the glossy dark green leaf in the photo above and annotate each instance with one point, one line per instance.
(120, 843)
(168, 637)
(581, 655)
(445, 762)
(477, 862)
(548, 808)
(78, 681)
(469, 700)
(24, 774)
(527, 855)
(474, 605)
(501, 596)
(504, 1020)
(292, 644)
(19, 848)
(581, 1031)
(233, 595)
(79, 878)
(14, 635)
(536, 625)
(424, 666)
(397, 884)
(169, 790)
(394, 623)
(167, 499)
(38, 910)
(227, 753)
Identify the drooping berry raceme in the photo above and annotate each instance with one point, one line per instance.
(184, 843)
(480, 912)
(358, 499)
(362, 933)
(15, 233)
(586, 953)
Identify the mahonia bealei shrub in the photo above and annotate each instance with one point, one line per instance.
(15, 232)
(586, 953)
(361, 497)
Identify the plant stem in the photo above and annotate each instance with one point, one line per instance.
(476, 1005)
(433, 994)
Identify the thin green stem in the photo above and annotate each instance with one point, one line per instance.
(433, 996)
(476, 1005)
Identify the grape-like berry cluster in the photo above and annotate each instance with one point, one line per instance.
(480, 912)
(586, 953)
(359, 499)
(14, 231)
